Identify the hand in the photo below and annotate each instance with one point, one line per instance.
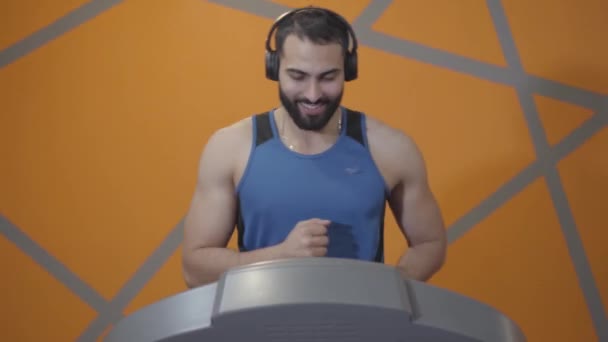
(403, 272)
(307, 239)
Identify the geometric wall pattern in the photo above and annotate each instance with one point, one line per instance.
(106, 104)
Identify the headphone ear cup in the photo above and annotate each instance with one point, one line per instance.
(350, 66)
(272, 66)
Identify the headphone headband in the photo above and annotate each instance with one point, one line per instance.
(350, 62)
(288, 14)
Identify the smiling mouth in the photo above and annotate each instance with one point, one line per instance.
(311, 108)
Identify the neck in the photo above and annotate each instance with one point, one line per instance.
(304, 141)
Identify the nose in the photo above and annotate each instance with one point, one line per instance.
(313, 91)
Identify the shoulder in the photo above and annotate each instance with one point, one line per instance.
(395, 152)
(379, 130)
(229, 136)
(225, 146)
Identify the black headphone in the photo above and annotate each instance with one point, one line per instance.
(350, 61)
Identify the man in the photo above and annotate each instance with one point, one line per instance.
(311, 178)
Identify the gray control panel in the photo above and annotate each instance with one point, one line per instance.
(316, 299)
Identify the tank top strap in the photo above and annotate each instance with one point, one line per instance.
(355, 126)
(262, 128)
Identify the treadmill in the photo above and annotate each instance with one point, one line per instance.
(317, 300)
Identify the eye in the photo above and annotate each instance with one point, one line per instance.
(329, 76)
(297, 77)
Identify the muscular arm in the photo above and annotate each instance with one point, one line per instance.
(416, 210)
(210, 220)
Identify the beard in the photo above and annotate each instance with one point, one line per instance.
(310, 122)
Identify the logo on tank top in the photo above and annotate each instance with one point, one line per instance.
(352, 170)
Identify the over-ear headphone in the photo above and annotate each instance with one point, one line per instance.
(272, 56)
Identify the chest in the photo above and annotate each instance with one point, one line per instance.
(341, 184)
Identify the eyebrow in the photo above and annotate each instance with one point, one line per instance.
(298, 71)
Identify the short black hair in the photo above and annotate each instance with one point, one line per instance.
(315, 24)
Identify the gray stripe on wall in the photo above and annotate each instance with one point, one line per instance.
(524, 178)
(64, 24)
(370, 15)
(576, 248)
(50, 264)
(260, 8)
(554, 184)
(481, 70)
(110, 313)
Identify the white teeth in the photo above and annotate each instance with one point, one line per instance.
(311, 106)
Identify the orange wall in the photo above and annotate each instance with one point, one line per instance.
(102, 126)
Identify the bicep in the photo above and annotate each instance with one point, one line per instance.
(413, 203)
(211, 216)
(417, 213)
(210, 219)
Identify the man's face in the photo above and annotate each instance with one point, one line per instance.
(311, 81)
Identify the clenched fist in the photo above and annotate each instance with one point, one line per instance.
(307, 239)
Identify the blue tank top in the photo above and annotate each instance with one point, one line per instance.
(342, 184)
